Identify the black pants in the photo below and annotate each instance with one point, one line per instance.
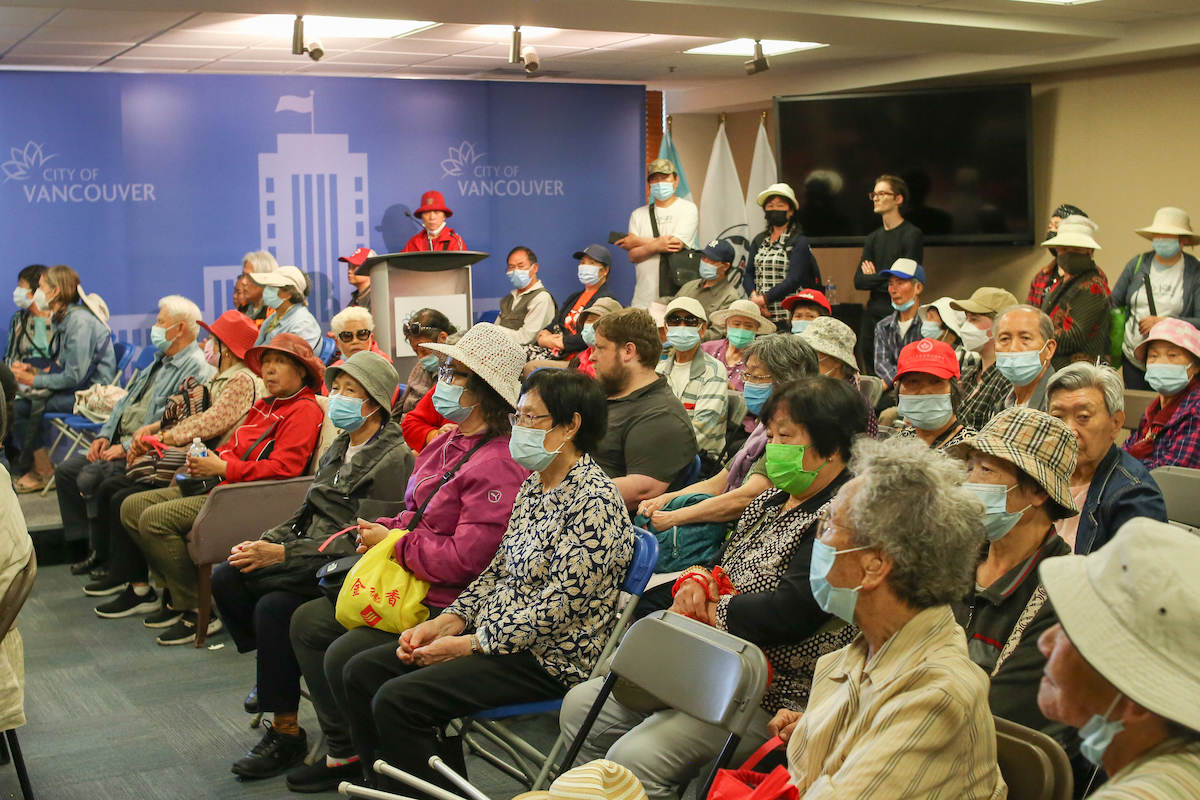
(126, 561)
(94, 517)
(866, 340)
(260, 621)
(27, 427)
(395, 710)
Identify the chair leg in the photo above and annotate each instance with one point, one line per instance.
(5, 758)
(19, 763)
(205, 599)
(314, 752)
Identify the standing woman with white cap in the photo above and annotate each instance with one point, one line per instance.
(1163, 282)
(1078, 305)
(780, 261)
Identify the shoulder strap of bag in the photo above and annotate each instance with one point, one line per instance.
(1031, 609)
(271, 429)
(416, 520)
(761, 752)
(653, 221)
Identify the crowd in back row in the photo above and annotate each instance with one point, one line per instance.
(515, 467)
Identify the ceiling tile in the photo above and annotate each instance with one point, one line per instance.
(28, 48)
(156, 50)
(25, 17)
(411, 44)
(467, 62)
(1093, 12)
(389, 60)
(167, 64)
(232, 65)
(544, 50)
(65, 61)
(263, 54)
(427, 71)
(194, 38)
(79, 25)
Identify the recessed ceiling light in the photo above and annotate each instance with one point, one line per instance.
(502, 33)
(745, 48)
(335, 27)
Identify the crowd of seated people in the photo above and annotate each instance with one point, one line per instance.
(907, 584)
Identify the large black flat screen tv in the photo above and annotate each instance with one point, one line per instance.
(966, 154)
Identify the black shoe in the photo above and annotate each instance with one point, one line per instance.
(274, 754)
(129, 603)
(165, 617)
(87, 565)
(184, 630)
(251, 704)
(313, 778)
(102, 587)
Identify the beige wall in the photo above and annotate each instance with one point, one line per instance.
(1118, 142)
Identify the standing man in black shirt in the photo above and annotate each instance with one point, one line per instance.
(898, 238)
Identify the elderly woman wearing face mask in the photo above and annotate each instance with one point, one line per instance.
(1079, 303)
(1169, 432)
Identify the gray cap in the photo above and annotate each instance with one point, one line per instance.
(377, 376)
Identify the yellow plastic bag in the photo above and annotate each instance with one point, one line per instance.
(380, 593)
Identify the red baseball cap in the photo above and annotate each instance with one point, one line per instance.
(930, 356)
(808, 296)
(358, 256)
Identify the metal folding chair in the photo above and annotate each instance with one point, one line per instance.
(1034, 766)
(14, 599)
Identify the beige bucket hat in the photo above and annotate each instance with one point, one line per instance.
(1075, 231)
(492, 355)
(747, 309)
(1170, 221)
(597, 780)
(833, 338)
(781, 189)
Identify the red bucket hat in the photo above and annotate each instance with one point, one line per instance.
(292, 345)
(433, 201)
(930, 356)
(235, 330)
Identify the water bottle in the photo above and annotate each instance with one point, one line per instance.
(197, 449)
(831, 293)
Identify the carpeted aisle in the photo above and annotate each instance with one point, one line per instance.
(114, 716)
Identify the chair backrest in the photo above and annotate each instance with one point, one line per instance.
(124, 353)
(328, 434)
(18, 592)
(1136, 403)
(737, 407)
(1034, 766)
(706, 673)
(645, 558)
(1180, 487)
(687, 476)
(327, 350)
(871, 388)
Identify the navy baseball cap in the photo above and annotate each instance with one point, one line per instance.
(598, 252)
(719, 250)
(905, 269)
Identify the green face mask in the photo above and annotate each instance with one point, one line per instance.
(785, 468)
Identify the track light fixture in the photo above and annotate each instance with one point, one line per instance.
(514, 48)
(300, 47)
(759, 63)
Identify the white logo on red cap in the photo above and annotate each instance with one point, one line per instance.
(925, 345)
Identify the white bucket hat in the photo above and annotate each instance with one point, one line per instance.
(1075, 231)
(1132, 609)
(781, 189)
(492, 355)
(96, 304)
(833, 338)
(1171, 222)
(747, 309)
(952, 317)
(597, 780)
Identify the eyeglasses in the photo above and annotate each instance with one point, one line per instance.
(877, 195)
(753, 378)
(447, 374)
(525, 420)
(690, 321)
(349, 336)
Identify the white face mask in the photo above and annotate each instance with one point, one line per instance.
(974, 339)
(22, 299)
(39, 297)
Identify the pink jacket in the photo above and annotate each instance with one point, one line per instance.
(461, 529)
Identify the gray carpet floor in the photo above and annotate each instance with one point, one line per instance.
(114, 716)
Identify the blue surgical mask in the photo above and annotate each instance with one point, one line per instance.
(589, 274)
(1020, 368)
(445, 402)
(1098, 734)
(22, 299)
(589, 334)
(1167, 379)
(832, 599)
(346, 412)
(997, 520)
(430, 363)
(798, 325)
(158, 337)
(527, 446)
(756, 395)
(519, 278)
(663, 190)
(931, 330)
(707, 271)
(683, 337)
(904, 306)
(1167, 248)
(929, 412)
(271, 297)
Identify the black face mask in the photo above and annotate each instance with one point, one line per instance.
(1074, 263)
(777, 218)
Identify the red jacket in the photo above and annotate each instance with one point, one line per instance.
(294, 426)
(446, 240)
(418, 423)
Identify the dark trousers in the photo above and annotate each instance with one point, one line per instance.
(260, 621)
(94, 517)
(866, 341)
(314, 630)
(395, 710)
(28, 429)
(1134, 378)
(126, 561)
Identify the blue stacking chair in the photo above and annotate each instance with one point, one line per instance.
(327, 350)
(532, 766)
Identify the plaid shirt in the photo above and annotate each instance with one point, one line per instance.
(889, 342)
(1178, 443)
(705, 398)
(979, 407)
(1041, 285)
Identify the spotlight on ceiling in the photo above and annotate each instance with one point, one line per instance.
(759, 63)
(312, 47)
(514, 48)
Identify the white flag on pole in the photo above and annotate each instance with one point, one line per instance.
(722, 204)
(762, 175)
(291, 102)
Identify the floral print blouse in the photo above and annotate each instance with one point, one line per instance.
(552, 588)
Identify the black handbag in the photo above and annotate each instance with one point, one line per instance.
(674, 269)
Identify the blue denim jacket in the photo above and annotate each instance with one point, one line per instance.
(187, 363)
(1121, 489)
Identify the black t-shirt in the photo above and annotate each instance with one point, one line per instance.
(882, 249)
(649, 433)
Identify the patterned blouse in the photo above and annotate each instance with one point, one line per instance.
(956, 436)
(767, 559)
(233, 392)
(552, 588)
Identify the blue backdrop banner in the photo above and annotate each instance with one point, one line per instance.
(157, 184)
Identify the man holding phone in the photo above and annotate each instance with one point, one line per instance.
(667, 225)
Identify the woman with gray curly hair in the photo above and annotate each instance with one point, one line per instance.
(903, 705)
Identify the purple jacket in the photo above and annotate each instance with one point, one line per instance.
(461, 529)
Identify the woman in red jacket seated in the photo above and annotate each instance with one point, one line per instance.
(437, 234)
(276, 441)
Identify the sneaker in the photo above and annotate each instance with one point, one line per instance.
(251, 704)
(275, 754)
(165, 617)
(105, 586)
(319, 777)
(184, 630)
(87, 565)
(128, 604)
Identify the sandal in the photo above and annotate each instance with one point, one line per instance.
(29, 488)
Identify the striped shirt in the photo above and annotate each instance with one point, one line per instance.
(705, 397)
(911, 721)
(1170, 771)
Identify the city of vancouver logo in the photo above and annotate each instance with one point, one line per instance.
(24, 163)
(44, 182)
(492, 180)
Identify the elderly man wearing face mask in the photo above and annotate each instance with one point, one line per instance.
(927, 375)
(1025, 345)
(1079, 303)
(712, 288)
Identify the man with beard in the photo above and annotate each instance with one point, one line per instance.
(650, 439)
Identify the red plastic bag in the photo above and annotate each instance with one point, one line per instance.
(746, 784)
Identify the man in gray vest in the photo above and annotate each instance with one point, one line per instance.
(529, 307)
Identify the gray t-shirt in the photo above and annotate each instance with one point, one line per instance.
(649, 433)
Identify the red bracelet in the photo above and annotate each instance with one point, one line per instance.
(724, 585)
(698, 577)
